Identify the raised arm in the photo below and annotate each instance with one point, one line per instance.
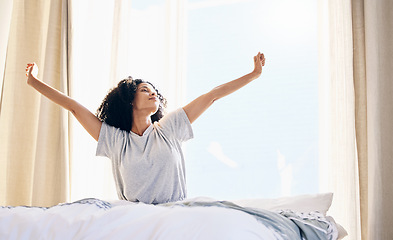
(195, 108)
(90, 122)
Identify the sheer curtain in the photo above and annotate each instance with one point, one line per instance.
(94, 29)
(34, 166)
(356, 114)
(152, 46)
(339, 169)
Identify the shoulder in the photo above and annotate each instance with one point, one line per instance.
(110, 141)
(173, 117)
(108, 130)
(176, 124)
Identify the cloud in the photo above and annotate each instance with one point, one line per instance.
(216, 150)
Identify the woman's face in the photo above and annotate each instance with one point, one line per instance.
(146, 99)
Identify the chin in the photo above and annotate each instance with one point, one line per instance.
(154, 111)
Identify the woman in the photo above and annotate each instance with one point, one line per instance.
(144, 145)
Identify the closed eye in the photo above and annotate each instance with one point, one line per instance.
(147, 89)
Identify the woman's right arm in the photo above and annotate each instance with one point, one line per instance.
(90, 122)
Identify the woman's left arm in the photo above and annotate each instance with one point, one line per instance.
(195, 108)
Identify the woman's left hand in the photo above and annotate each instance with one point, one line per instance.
(259, 62)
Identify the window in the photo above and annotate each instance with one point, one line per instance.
(262, 141)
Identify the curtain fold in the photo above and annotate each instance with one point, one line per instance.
(378, 25)
(175, 56)
(360, 86)
(34, 153)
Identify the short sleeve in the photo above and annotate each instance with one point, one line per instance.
(177, 124)
(110, 139)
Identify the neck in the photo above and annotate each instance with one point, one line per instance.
(140, 122)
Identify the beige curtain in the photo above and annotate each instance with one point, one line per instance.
(356, 106)
(377, 211)
(5, 19)
(360, 85)
(34, 159)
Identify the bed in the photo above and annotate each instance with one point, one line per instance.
(299, 217)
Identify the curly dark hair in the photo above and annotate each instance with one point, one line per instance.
(116, 108)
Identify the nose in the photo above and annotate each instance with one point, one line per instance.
(153, 93)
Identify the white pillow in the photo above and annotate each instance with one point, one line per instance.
(302, 203)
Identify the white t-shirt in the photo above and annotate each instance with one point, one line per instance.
(148, 168)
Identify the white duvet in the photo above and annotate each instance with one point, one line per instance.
(126, 220)
(97, 219)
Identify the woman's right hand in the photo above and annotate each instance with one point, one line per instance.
(31, 72)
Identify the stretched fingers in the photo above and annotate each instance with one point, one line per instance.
(262, 59)
(29, 68)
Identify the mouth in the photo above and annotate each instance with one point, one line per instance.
(153, 98)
